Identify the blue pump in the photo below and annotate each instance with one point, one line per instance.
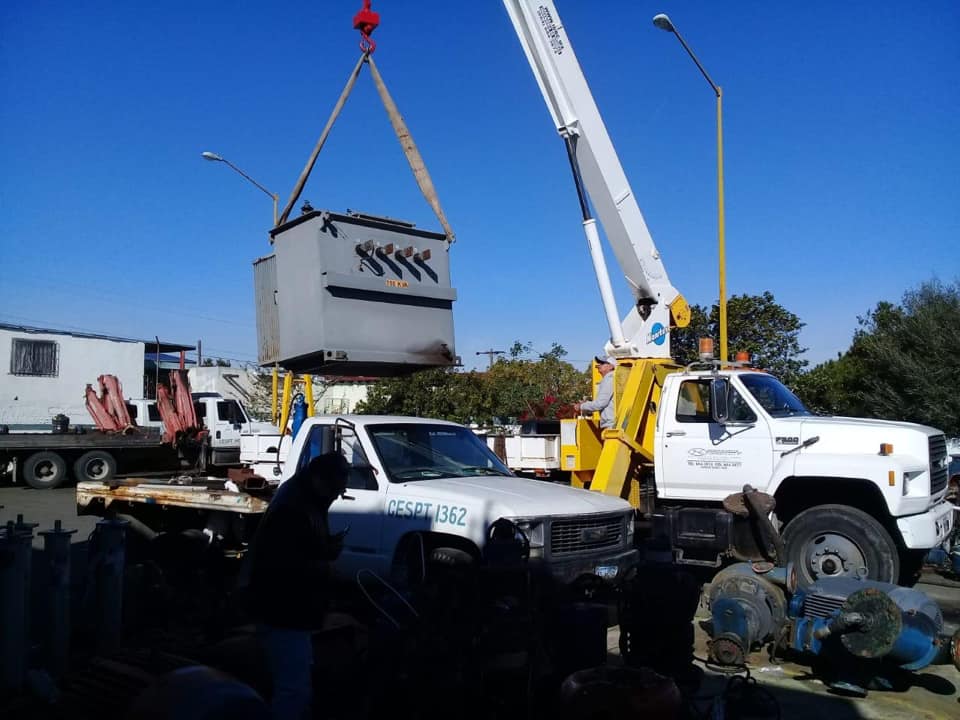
(856, 633)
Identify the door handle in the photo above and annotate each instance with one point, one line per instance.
(347, 497)
(676, 432)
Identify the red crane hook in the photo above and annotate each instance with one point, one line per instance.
(366, 21)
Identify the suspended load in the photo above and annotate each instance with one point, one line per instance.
(353, 294)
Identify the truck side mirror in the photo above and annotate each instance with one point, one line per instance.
(719, 392)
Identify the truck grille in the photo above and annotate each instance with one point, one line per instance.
(938, 466)
(585, 535)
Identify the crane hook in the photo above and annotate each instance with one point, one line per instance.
(366, 21)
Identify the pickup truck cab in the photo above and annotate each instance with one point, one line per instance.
(418, 486)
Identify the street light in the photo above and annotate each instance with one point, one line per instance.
(664, 23)
(213, 157)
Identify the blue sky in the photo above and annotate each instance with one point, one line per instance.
(840, 120)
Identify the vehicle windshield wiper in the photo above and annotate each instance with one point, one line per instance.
(483, 470)
(409, 473)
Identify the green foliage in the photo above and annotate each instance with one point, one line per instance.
(904, 361)
(513, 388)
(756, 324)
(215, 362)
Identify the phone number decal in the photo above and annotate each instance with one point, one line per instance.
(439, 513)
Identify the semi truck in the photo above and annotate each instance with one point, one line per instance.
(46, 460)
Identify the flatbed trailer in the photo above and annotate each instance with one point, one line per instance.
(44, 460)
(176, 504)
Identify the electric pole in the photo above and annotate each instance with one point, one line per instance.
(490, 354)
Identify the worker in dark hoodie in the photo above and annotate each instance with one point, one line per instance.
(290, 578)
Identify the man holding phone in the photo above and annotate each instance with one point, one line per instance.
(290, 577)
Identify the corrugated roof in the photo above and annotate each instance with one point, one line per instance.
(150, 344)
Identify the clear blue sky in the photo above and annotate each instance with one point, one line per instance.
(841, 124)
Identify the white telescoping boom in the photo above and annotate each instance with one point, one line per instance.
(645, 331)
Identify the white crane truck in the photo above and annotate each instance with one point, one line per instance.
(854, 497)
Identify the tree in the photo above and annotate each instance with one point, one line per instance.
(756, 324)
(541, 388)
(215, 362)
(514, 388)
(439, 393)
(904, 361)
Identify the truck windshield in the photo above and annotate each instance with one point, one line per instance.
(419, 451)
(773, 395)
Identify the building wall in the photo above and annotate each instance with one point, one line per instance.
(339, 397)
(32, 401)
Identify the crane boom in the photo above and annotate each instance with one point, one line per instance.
(658, 306)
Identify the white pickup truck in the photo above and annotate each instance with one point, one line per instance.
(416, 487)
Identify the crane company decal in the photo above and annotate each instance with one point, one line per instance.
(550, 30)
(439, 513)
(713, 459)
(658, 334)
(397, 283)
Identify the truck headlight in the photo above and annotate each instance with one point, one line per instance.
(909, 478)
(630, 529)
(533, 529)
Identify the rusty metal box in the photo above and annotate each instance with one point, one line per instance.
(352, 294)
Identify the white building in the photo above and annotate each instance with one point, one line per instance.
(340, 395)
(44, 372)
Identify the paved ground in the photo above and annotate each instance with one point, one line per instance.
(45, 507)
(934, 694)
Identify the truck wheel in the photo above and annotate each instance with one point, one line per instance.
(96, 465)
(840, 541)
(44, 470)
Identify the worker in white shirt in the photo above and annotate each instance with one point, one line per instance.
(603, 399)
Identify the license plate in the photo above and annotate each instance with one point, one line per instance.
(607, 572)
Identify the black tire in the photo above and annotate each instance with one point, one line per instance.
(44, 470)
(96, 465)
(837, 541)
(451, 557)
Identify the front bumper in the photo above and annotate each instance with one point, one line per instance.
(565, 571)
(930, 529)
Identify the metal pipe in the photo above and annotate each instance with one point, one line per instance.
(56, 567)
(308, 393)
(603, 281)
(596, 252)
(15, 550)
(109, 579)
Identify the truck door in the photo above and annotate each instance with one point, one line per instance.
(699, 459)
(360, 509)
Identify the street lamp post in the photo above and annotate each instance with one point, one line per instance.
(213, 157)
(664, 23)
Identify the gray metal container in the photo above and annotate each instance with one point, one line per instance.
(354, 295)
